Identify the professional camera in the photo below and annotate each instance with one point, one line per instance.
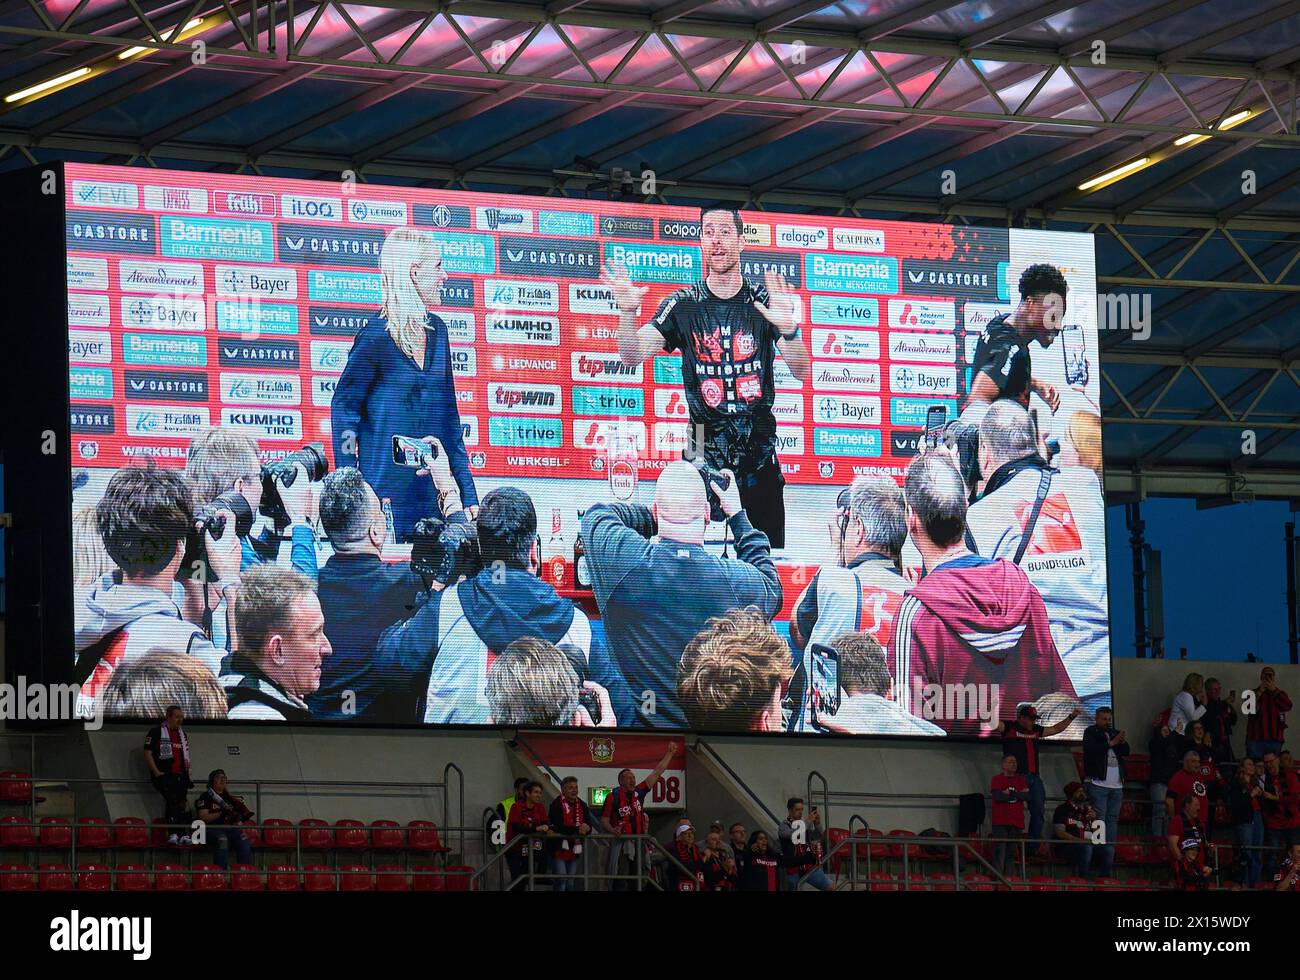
(211, 519)
(443, 551)
(312, 458)
(712, 476)
(586, 698)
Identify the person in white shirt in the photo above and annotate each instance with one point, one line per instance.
(1104, 750)
(1189, 704)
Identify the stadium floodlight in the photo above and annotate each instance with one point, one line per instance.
(1112, 176)
(1236, 119)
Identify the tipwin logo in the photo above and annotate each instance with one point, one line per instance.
(589, 364)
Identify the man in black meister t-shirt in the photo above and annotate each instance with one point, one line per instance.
(729, 331)
(1002, 365)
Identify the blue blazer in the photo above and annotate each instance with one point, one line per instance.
(381, 394)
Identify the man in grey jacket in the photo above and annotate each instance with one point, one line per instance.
(654, 596)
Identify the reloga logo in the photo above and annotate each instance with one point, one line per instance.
(801, 236)
(317, 208)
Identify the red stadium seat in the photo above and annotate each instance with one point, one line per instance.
(1129, 851)
(132, 878)
(350, 835)
(1110, 884)
(1137, 768)
(55, 832)
(278, 834)
(979, 883)
(15, 786)
(55, 878)
(253, 836)
(391, 878)
(93, 834)
(16, 832)
(93, 878)
(131, 833)
(883, 883)
(1042, 883)
(427, 878)
(16, 878)
(315, 834)
(282, 878)
(386, 835)
(209, 878)
(1223, 852)
(458, 877)
(896, 849)
(422, 836)
(873, 848)
(317, 878)
(171, 878)
(246, 878)
(356, 878)
(834, 837)
(943, 882)
(1138, 885)
(1158, 852)
(1074, 883)
(1130, 812)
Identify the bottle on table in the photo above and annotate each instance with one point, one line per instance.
(557, 561)
(582, 575)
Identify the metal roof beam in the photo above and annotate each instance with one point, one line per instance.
(1236, 29)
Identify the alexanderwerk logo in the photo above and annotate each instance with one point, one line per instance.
(38, 701)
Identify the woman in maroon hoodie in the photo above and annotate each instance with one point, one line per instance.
(528, 816)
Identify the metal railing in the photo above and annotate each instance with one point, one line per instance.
(609, 850)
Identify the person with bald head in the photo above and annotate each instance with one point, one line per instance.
(656, 593)
(1051, 523)
(970, 620)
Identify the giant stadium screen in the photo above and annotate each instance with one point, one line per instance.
(348, 453)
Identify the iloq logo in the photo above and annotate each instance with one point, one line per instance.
(217, 238)
(344, 287)
(315, 208)
(505, 328)
(90, 346)
(802, 236)
(565, 257)
(85, 272)
(851, 274)
(88, 310)
(335, 321)
(376, 212)
(845, 376)
(109, 232)
(171, 277)
(586, 365)
(165, 421)
(315, 245)
(526, 399)
(185, 386)
(853, 345)
(503, 219)
(164, 350)
(268, 283)
(260, 389)
(923, 380)
(508, 294)
(847, 409)
(282, 424)
(922, 315)
(164, 312)
(858, 239)
(922, 347)
(267, 353)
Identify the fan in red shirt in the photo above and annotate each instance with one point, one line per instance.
(1281, 806)
(572, 820)
(719, 865)
(1287, 878)
(691, 858)
(1010, 790)
(1195, 779)
(624, 814)
(528, 816)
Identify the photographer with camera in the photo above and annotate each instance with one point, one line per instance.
(1047, 522)
(281, 645)
(971, 619)
(223, 812)
(361, 596)
(455, 630)
(223, 467)
(146, 520)
(862, 591)
(533, 683)
(655, 596)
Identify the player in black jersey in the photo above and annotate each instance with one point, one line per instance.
(729, 331)
(1002, 363)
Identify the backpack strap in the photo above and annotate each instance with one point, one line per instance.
(1044, 485)
(241, 694)
(90, 657)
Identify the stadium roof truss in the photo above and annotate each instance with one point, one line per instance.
(1185, 108)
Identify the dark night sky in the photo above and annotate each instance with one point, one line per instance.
(1224, 578)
